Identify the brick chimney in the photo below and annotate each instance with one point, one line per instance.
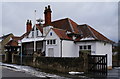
(47, 14)
(28, 25)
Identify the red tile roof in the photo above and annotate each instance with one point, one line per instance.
(12, 43)
(39, 27)
(87, 31)
(16, 38)
(61, 33)
(63, 25)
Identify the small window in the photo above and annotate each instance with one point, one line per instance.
(54, 41)
(84, 47)
(50, 41)
(89, 47)
(47, 41)
(50, 33)
(80, 47)
(32, 33)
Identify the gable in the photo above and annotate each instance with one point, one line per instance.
(51, 35)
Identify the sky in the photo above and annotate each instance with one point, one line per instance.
(102, 16)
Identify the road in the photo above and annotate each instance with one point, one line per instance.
(8, 73)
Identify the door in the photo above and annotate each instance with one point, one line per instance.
(51, 52)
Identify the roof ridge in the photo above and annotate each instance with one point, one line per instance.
(59, 29)
(60, 19)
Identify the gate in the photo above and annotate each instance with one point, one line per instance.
(97, 64)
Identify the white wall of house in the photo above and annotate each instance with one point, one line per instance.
(69, 49)
(38, 34)
(103, 48)
(53, 50)
(100, 48)
(93, 46)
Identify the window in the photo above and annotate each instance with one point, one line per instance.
(47, 41)
(89, 47)
(85, 47)
(54, 42)
(32, 33)
(50, 33)
(80, 47)
(51, 42)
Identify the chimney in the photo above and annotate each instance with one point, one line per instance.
(28, 25)
(47, 14)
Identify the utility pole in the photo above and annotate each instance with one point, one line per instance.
(35, 32)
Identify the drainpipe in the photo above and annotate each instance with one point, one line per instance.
(61, 47)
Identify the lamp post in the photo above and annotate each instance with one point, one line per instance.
(20, 44)
(35, 33)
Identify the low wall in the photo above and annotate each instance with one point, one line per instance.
(53, 63)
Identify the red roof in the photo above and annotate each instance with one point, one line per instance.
(87, 31)
(16, 38)
(12, 43)
(39, 27)
(61, 26)
(61, 33)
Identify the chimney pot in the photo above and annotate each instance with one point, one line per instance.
(48, 6)
(27, 22)
(45, 8)
(28, 25)
(30, 22)
(47, 13)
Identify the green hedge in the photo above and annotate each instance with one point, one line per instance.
(53, 63)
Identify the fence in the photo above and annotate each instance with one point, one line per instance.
(97, 64)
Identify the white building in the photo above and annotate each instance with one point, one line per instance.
(65, 38)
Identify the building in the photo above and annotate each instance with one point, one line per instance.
(65, 38)
(9, 46)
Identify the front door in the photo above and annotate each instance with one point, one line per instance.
(51, 52)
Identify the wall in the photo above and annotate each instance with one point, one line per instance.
(69, 49)
(56, 47)
(99, 48)
(93, 46)
(103, 48)
(53, 63)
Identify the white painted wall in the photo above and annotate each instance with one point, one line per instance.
(69, 49)
(100, 48)
(39, 34)
(46, 30)
(104, 48)
(56, 48)
(93, 46)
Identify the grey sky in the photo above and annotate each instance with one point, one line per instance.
(102, 16)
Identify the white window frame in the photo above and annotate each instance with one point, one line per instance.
(51, 40)
(83, 47)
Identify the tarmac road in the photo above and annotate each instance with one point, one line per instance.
(12, 74)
